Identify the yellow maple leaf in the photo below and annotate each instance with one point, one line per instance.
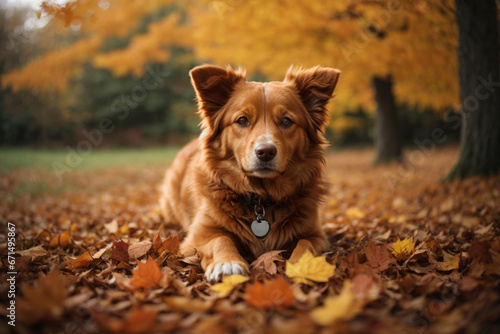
(310, 268)
(402, 250)
(342, 307)
(228, 284)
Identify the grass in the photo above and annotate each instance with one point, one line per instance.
(15, 158)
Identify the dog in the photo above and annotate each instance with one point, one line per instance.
(253, 181)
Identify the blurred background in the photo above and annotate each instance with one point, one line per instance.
(115, 72)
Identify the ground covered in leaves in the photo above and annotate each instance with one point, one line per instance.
(408, 254)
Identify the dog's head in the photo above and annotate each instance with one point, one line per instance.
(263, 130)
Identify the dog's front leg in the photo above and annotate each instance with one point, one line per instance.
(219, 256)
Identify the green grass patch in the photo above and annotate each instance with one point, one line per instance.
(14, 158)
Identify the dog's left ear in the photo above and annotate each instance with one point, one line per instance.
(315, 87)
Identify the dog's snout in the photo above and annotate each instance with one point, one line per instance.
(266, 152)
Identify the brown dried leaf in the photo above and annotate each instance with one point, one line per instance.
(137, 250)
(147, 275)
(378, 257)
(267, 261)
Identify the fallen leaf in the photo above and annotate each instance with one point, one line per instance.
(364, 287)
(83, 261)
(483, 230)
(480, 251)
(452, 264)
(33, 252)
(146, 275)
(156, 241)
(171, 244)
(447, 205)
(137, 250)
(493, 267)
(341, 307)
(354, 213)
(99, 253)
(63, 240)
(310, 268)
(228, 284)
(44, 300)
(112, 227)
(137, 321)
(267, 261)
(187, 305)
(274, 294)
(119, 251)
(402, 250)
(378, 257)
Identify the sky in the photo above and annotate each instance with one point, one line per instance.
(33, 22)
(35, 4)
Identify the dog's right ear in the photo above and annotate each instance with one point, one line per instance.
(214, 86)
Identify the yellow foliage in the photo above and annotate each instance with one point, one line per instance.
(415, 42)
(354, 213)
(228, 284)
(402, 250)
(310, 268)
(341, 307)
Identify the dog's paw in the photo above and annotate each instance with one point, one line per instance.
(215, 271)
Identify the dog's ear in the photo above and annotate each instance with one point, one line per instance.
(214, 86)
(315, 87)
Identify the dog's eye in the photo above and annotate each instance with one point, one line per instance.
(243, 121)
(286, 122)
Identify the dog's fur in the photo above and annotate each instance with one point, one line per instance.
(216, 181)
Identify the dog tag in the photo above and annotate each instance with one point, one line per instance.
(260, 228)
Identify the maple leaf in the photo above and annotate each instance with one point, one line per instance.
(310, 268)
(171, 244)
(44, 300)
(228, 284)
(267, 261)
(120, 251)
(276, 293)
(341, 307)
(378, 256)
(156, 241)
(83, 261)
(402, 250)
(147, 275)
(137, 250)
(62, 240)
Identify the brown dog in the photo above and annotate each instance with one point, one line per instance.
(253, 181)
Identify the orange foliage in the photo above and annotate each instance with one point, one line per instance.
(415, 42)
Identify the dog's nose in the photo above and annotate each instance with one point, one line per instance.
(265, 152)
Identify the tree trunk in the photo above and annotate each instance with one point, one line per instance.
(387, 137)
(479, 88)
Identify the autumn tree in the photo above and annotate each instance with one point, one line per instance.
(478, 55)
(410, 43)
(390, 52)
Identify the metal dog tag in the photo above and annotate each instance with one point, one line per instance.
(260, 228)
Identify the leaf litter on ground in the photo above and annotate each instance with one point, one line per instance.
(408, 253)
